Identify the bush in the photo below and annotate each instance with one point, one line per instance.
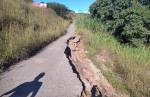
(127, 20)
(106, 9)
(145, 2)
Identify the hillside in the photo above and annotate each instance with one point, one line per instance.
(24, 29)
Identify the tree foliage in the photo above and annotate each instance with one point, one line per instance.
(105, 9)
(145, 2)
(60, 9)
(128, 20)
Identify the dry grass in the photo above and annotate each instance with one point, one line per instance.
(24, 29)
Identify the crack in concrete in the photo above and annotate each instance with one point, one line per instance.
(68, 55)
(93, 82)
(93, 91)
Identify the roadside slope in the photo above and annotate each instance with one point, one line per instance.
(126, 68)
(24, 29)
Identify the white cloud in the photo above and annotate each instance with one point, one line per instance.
(76, 11)
(81, 11)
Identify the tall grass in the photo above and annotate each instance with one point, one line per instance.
(24, 29)
(132, 65)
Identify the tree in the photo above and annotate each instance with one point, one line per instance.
(101, 8)
(127, 20)
(145, 2)
(60, 9)
(105, 9)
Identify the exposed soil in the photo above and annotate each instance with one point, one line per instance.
(96, 85)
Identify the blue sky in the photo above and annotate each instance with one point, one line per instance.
(75, 5)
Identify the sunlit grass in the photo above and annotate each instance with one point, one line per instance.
(131, 64)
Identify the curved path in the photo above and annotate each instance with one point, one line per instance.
(47, 74)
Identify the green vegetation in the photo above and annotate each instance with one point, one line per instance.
(130, 72)
(114, 22)
(145, 2)
(24, 29)
(60, 9)
(127, 20)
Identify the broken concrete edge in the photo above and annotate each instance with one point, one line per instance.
(89, 74)
(87, 91)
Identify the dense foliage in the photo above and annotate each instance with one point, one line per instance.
(128, 20)
(145, 2)
(126, 68)
(60, 9)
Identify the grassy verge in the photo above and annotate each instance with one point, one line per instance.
(130, 72)
(25, 29)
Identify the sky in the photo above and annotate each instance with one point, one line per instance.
(75, 5)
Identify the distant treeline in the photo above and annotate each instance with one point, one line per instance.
(127, 20)
(60, 9)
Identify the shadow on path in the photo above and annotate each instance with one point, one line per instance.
(26, 88)
(95, 92)
(68, 53)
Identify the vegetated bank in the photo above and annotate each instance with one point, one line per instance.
(125, 67)
(24, 29)
(120, 38)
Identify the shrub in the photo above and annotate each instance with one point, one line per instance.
(145, 2)
(127, 20)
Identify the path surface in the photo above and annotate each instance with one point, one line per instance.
(47, 74)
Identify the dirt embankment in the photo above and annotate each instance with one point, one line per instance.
(94, 83)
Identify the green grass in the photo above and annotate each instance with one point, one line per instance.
(132, 65)
(24, 29)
